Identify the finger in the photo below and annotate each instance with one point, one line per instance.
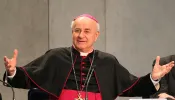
(164, 95)
(168, 70)
(168, 67)
(15, 54)
(172, 63)
(169, 96)
(157, 60)
(6, 60)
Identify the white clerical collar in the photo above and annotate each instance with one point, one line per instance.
(83, 54)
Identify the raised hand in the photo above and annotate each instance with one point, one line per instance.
(159, 71)
(10, 64)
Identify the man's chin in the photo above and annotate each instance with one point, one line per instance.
(81, 48)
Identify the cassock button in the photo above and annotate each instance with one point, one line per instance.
(83, 57)
(84, 79)
(82, 86)
(82, 63)
(83, 73)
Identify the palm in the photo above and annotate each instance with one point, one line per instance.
(158, 70)
(12, 63)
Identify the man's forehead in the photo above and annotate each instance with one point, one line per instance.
(84, 27)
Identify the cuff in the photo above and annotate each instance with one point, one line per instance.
(11, 77)
(153, 81)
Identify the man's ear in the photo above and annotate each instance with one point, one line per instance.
(97, 34)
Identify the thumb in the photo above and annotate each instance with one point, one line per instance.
(15, 54)
(157, 60)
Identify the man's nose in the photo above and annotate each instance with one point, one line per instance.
(81, 34)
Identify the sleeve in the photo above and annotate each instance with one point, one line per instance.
(24, 75)
(130, 85)
(163, 88)
(20, 80)
(142, 87)
(10, 77)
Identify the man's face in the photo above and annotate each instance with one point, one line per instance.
(84, 34)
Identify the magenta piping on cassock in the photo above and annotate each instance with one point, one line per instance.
(97, 83)
(129, 87)
(69, 74)
(37, 84)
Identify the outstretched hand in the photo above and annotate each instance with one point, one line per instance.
(10, 64)
(160, 70)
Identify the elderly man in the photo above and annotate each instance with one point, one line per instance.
(80, 72)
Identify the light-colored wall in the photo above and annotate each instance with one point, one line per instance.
(139, 30)
(135, 31)
(24, 26)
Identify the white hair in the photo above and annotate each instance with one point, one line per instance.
(98, 25)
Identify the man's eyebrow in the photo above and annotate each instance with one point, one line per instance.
(87, 29)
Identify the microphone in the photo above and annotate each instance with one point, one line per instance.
(90, 75)
(7, 84)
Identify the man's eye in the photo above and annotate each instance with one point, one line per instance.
(77, 30)
(86, 31)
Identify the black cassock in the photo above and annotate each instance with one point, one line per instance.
(53, 72)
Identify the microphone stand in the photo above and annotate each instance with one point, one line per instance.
(0, 97)
(7, 84)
